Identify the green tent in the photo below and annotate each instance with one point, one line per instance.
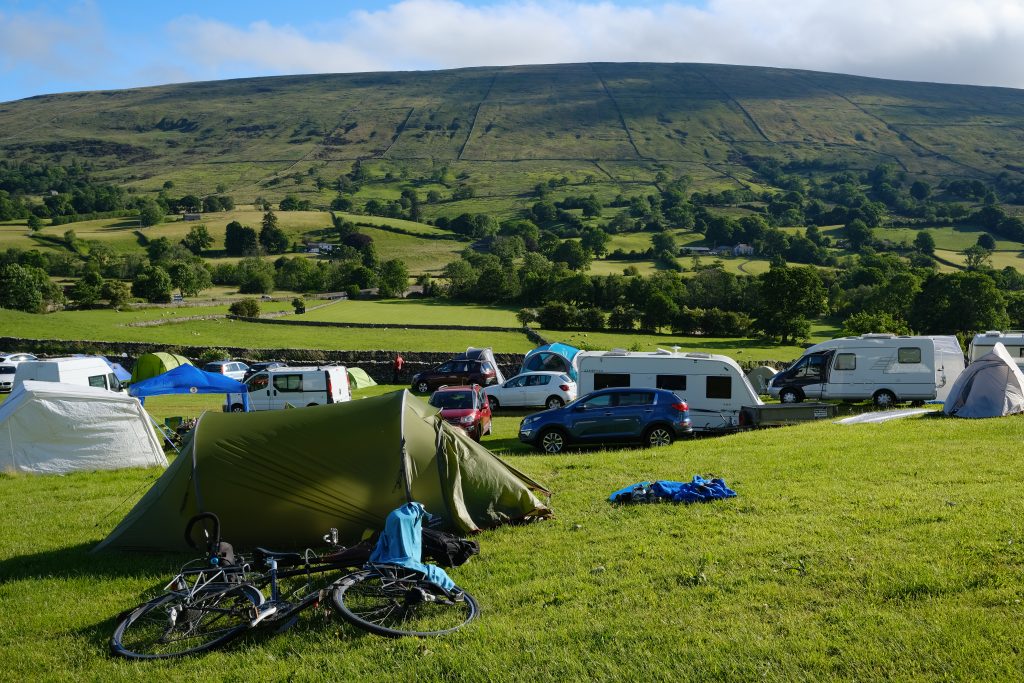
(283, 478)
(358, 379)
(153, 364)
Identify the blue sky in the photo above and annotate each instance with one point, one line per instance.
(51, 46)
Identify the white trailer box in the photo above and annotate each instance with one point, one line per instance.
(713, 386)
(295, 387)
(88, 371)
(885, 368)
(985, 343)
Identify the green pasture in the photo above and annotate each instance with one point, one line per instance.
(415, 311)
(419, 255)
(844, 557)
(998, 259)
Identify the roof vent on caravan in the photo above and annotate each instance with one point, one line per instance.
(616, 352)
(663, 352)
(694, 354)
(879, 335)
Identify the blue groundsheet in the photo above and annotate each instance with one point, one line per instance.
(698, 490)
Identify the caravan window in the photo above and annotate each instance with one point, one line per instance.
(605, 380)
(671, 382)
(288, 382)
(845, 361)
(908, 354)
(98, 381)
(719, 387)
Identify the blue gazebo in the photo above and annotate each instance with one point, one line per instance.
(188, 379)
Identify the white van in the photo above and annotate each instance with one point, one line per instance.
(713, 386)
(984, 343)
(296, 387)
(885, 368)
(88, 371)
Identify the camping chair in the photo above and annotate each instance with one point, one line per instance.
(173, 423)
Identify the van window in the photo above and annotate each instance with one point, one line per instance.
(257, 382)
(809, 367)
(113, 383)
(605, 380)
(671, 382)
(98, 381)
(719, 387)
(288, 382)
(845, 361)
(908, 354)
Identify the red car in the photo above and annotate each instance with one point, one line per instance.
(464, 407)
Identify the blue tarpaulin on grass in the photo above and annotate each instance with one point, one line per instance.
(188, 379)
(700, 489)
(401, 543)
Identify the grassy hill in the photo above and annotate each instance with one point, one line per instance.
(503, 129)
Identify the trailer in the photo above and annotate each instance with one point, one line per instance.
(984, 343)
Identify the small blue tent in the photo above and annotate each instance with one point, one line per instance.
(557, 357)
(188, 379)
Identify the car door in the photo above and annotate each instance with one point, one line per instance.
(513, 392)
(259, 392)
(484, 409)
(630, 416)
(536, 389)
(591, 420)
(286, 388)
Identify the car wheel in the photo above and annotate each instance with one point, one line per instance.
(554, 402)
(238, 408)
(422, 387)
(551, 441)
(884, 399)
(791, 395)
(493, 403)
(659, 436)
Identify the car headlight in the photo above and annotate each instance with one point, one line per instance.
(467, 419)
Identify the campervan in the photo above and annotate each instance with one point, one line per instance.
(713, 386)
(293, 387)
(984, 343)
(884, 368)
(89, 371)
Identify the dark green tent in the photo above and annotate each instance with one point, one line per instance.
(153, 364)
(282, 478)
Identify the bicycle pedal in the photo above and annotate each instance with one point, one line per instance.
(262, 613)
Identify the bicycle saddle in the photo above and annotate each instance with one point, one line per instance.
(284, 559)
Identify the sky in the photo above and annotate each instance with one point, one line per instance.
(50, 46)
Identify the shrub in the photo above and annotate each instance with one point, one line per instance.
(246, 308)
(213, 354)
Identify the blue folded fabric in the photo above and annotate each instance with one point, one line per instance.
(700, 489)
(401, 543)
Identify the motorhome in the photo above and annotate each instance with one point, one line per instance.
(713, 386)
(89, 371)
(294, 387)
(984, 343)
(884, 368)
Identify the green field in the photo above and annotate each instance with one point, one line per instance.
(841, 559)
(415, 311)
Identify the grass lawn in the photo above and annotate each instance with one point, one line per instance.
(416, 311)
(840, 559)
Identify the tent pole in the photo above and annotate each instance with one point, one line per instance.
(404, 452)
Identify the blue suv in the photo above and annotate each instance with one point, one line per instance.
(653, 417)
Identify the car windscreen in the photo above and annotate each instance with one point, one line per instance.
(452, 400)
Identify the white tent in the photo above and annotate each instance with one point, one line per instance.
(991, 386)
(52, 428)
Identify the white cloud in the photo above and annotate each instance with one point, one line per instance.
(975, 42)
(70, 47)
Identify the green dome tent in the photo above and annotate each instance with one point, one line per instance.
(358, 379)
(153, 364)
(283, 478)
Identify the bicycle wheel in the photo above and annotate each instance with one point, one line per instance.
(179, 624)
(401, 603)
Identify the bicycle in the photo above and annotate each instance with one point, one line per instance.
(207, 607)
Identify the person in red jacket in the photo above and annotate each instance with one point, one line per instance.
(398, 365)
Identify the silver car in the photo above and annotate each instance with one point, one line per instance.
(229, 368)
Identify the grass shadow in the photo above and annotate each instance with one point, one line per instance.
(77, 561)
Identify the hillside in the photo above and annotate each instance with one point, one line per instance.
(611, 126)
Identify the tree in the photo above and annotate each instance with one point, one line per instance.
(787, 297)
(245, 308)
(664, 241)
(240, 240)
(88, 289)
(920, 190)
(198, 240)
(572, 254)
(977, 257)
(393, 278)
(858, 234)
(190, 277)
(964, 303)
(150, 213)
(35, 223)
(557, 316)
(925, 243)
(659, 311)
(865, 323)
(158, 249)
(986, 241)
(273, 239)
(28, 288)
(153, 284)
(462, 278)
(595, 240)
(116, 293)
(255, 276)
(525, 316)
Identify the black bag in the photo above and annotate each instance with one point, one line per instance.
(447, 550)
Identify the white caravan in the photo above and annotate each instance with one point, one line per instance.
(983, 344)
(885, 368)
(88, 371)
(295, 387)
(713, 386)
